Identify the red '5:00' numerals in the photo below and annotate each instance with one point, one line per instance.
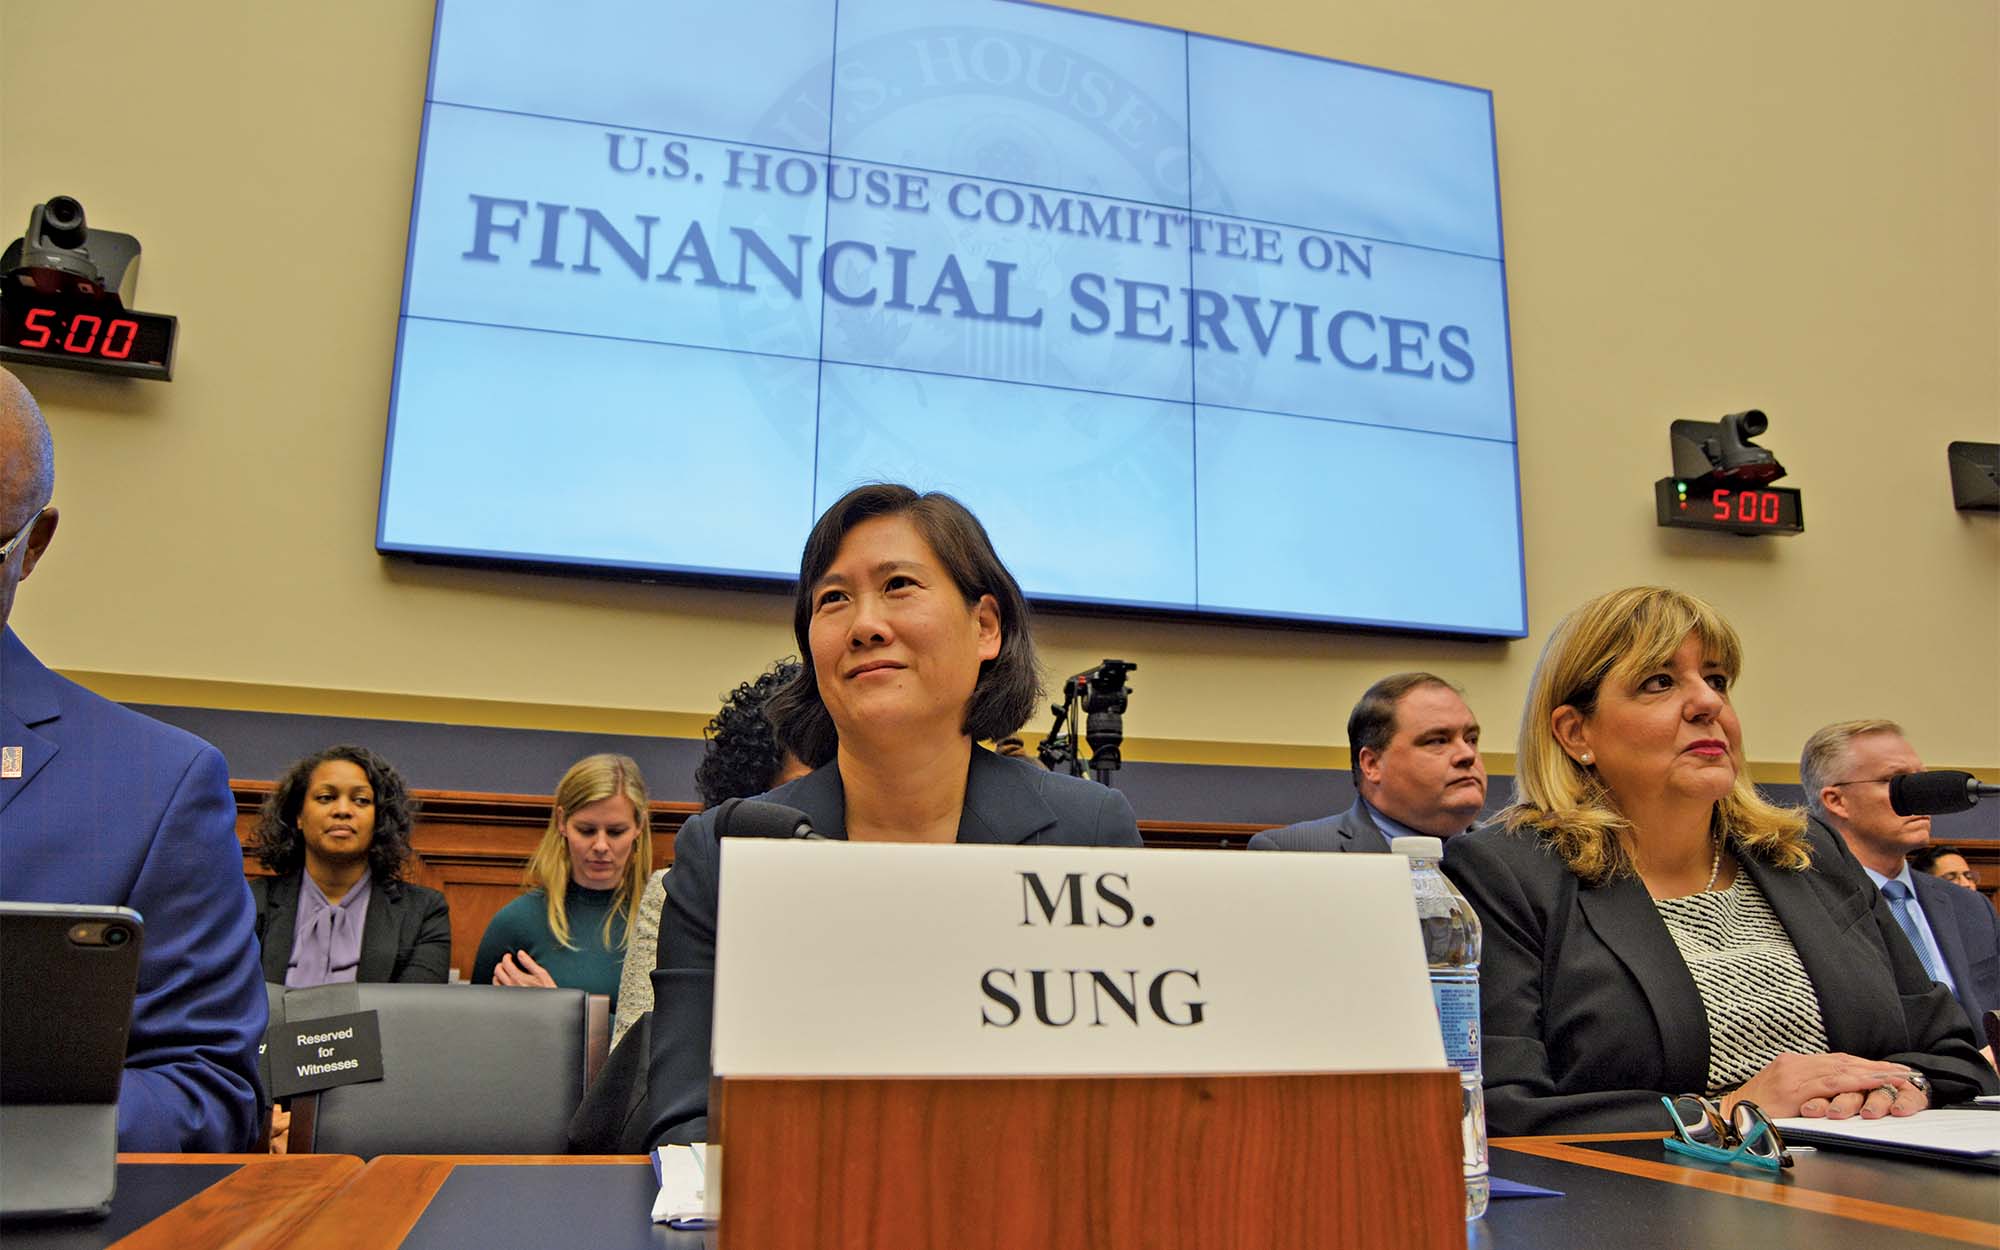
(1758, 507)
(88, 334)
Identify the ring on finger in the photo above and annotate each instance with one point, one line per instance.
(1886, 1089)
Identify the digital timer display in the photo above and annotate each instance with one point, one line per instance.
(1706, 504)
(98, 336)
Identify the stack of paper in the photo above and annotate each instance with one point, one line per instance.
(683, 1200)
(1970, 1134)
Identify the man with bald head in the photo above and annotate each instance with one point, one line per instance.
(101, 805)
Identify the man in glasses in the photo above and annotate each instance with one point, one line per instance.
(1946, 863)
(101, 805)
(1846, 769)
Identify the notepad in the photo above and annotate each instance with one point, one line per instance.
(1965, 1135)
(683, 1175)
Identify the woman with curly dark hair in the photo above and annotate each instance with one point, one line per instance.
(744, 756)
(336, 832)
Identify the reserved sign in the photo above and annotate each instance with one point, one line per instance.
(872, 959)
(324, 1052)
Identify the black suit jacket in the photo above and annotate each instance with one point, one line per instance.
(1968, 936)
(1006, 801)
(1590, 1015)
(407, 936)
(1352, 830)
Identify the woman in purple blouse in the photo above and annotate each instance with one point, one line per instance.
(336, 834)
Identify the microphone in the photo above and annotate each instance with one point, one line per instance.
(1938, 793)
(754, 818)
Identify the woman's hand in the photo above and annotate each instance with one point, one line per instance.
(1834, 1086)
(518, 968)
(281, 1129)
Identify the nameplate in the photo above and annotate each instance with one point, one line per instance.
(321, 1053)
(869, 959)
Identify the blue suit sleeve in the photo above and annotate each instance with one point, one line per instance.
(1984, 939)
(1978, 930)
(191, 1079)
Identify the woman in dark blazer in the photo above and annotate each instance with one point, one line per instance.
(340, 821)
(1652, 926)
(916, 645)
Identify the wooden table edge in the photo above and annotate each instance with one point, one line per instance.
(377, 1208)
(259, 1203)
(243, 1159)
(1570, 1148)
(534, 1160)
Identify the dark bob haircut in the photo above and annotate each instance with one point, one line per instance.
(1009, 685)
(744, 752)
(281, 847)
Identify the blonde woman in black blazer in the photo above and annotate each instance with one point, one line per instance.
(1632, 800)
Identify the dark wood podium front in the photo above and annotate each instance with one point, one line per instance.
(1092, 1163)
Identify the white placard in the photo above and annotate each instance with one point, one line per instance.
(869, 959)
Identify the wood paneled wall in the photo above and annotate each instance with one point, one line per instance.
(474, 848)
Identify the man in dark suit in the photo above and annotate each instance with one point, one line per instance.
(1415, 748)
(1846, 769)
(101, 805)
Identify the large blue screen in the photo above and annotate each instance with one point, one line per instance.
(1192, 325)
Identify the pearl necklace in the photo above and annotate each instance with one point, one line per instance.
(1714, 867)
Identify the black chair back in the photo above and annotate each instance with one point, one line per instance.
(467, 1069)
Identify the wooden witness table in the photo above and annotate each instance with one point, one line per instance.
(194, 1202)
(1621, 1189)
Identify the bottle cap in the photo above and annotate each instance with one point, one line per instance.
(1418, 847)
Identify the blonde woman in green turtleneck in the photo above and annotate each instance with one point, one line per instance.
(583, 884)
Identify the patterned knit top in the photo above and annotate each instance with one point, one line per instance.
(1754, 988)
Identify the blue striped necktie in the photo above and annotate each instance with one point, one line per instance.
(1904, 907)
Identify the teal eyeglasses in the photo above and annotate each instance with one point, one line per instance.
(1745, 1135)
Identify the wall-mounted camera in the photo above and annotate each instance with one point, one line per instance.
(1975, 476)
(1723, 449)
(66, 294)
(1722, 479)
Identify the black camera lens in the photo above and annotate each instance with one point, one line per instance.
(117, 936)
(62, 221)
(1751, 423)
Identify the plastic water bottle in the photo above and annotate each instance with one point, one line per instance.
(1451, 946)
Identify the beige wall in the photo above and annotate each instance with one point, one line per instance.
(1782, 203)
